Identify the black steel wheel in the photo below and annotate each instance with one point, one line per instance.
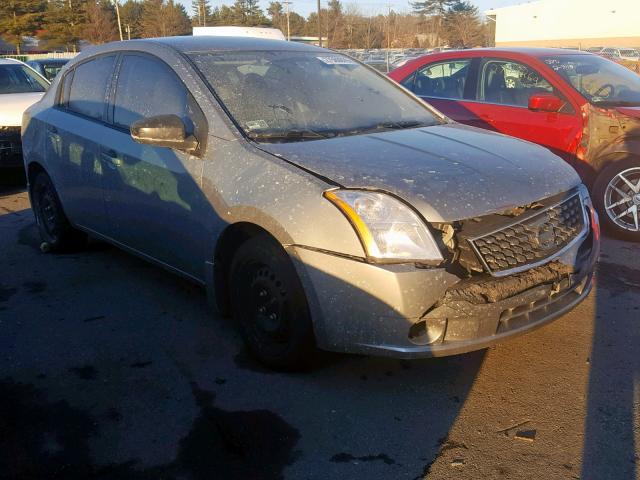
(54, 227)
(617, 198)
(270, 305)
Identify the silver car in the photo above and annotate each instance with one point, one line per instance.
(319, 203)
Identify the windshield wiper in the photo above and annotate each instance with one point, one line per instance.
(287, 135)
(399, 125)
(617, 103)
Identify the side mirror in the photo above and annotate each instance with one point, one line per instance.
(164, 131)
(545, 103)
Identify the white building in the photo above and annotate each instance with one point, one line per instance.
(568, 23)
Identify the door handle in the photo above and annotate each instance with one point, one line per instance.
(112, 158)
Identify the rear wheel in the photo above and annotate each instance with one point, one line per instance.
(55, 230)
(617, 199)
(270, 305)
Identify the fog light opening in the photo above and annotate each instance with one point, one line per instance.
(428, 332)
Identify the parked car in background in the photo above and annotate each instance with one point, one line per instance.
(582, 107)
(48, 67)
(619, 54)
(319, 202)
(20, 87)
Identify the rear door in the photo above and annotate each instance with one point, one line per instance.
(503, 89)
(447, 85)
(153, 194)
(75, 127)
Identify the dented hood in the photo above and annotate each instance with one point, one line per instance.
(13, 105)
(448, 172)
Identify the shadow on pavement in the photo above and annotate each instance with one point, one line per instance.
(613, 398)
(113, 368)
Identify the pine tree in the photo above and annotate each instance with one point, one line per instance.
(432, 8)
(20, 18)
(164, 19)
(202, 15)
(248, 12)
(64, 23)
(131, 18)
(100, 23)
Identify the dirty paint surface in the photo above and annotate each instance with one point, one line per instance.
(113, 369)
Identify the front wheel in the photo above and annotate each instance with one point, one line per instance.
(55, 230)
(617, 198)
(270, 305)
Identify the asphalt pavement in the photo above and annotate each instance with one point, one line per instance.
(111, 368)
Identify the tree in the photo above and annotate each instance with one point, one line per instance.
(335, 24)
(432, 8)
(20, 18)
(248, 12)
(463, 26)
(100, 23)
(277, 15)
(435, 10)
(202, 15)
(64, 23)
(131, 17)
(164, 18)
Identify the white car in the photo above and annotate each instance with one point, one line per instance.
(20, 87)
(629, 54)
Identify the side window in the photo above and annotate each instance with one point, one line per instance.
(408, 82)
(65, 88)
(443, 80)
(88, 87)
(510, 83)
(147, 88)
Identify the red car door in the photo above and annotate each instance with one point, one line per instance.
(446, 84)
(504, 88)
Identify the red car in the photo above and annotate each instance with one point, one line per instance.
(582, 107)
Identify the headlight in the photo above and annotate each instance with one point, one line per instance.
(388, 229)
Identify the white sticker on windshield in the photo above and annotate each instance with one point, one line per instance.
(257, 125)
(336, 60)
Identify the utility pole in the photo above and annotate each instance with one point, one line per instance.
(128, 28)
(319, 27)
(286, 4)
(118, 15)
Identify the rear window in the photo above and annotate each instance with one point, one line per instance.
(88, 87)
(16, 78)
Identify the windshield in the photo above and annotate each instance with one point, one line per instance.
(52, 69)
(294, 96)
(601, 81)
(15, 78)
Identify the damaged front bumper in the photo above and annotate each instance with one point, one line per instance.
(408, 312)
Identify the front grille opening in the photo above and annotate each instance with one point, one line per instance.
(506, 243)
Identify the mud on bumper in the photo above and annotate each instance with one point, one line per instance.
(479, 312)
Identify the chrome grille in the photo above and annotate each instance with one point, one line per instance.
(531, 241)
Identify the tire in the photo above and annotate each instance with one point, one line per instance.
(54, 227)
(270, 305)
(616, 196)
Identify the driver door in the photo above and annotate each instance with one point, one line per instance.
(153, 195)
(502, 99)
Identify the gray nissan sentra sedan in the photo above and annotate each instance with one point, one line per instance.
(320, 204)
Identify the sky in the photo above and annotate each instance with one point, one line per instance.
(304, 7)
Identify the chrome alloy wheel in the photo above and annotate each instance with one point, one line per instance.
(622, 199)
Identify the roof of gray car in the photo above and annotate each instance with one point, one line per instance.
(203, 43)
